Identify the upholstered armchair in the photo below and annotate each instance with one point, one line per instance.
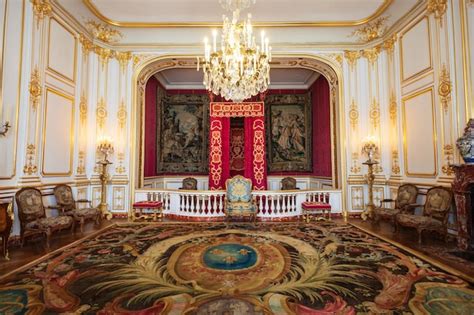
(404, 203)
(66, 203)
(238, 201)
(288, 183)
(435, 213)
(33, 220)
(189, 183)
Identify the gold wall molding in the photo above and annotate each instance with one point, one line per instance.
(389, 44)
(372, 30)
(437, 7)
(83, 109)
(448, 151)
(87, 45)
(357, 198)
(354, 115)
(395, 162)
(123, 58)
(35, 88)
(30, 168)
(444, 88)
(103, 32)
(81, 167)
(122, 115)
(355, 168)
(41, 9)
(371, 54)
(393, 108)
(374, 114)
(104, 54)
(101, 113)
(120, 169)
(378, 12)
(352, 56)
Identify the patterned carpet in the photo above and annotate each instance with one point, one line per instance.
(181, 268)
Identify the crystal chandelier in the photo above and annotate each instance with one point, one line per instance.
(240, 69)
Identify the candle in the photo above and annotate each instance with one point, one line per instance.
(214, 39)
(262, 40)
(266, 45)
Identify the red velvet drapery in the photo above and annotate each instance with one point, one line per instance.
(219, 143)
(150, 127)
(322, 165)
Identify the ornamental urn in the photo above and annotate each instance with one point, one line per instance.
(465, 143)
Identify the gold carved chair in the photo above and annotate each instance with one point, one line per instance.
(189, 183)
(68, 206)
(288, 183)
(435, 213)
(239, 201)
(404, 203)
(33, 220)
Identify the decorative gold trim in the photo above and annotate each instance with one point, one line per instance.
(448, 151)
(71, 135)
(118, 201)
(374, 114)
(352, 56)
(56, 71)
(433, 118)
(122, 115)
(83, 109)
(104, 55)
(35, 88)
(103, 32)
(395, 162)
(87, 45)
(371, 30)
(438, 7)
(422, 71)
(123, 59)
(81, 169)
(354, 115)
(120, 169)
(355, 168)
(41, 9)
(371, 54)
(30, 168)
(380, 10)
(101, 113)
(444, 88)
(393, 108)
(389, 44)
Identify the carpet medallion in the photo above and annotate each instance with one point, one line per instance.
(286, 268)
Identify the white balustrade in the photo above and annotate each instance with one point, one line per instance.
(210, 203)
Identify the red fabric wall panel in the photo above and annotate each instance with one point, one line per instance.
(321, 128)
(150, 126)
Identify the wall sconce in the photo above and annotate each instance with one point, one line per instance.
(5, 127)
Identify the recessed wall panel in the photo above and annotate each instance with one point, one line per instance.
(61, 51)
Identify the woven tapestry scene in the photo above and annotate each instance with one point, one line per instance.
(236, 268)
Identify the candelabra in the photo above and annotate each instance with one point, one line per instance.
(105, 146)
(5, 127)
(370, 148)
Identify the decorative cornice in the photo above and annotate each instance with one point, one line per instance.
(389, 44)
(103, 32)
(87, 45)
(352, 56)
(35, 88)
(371, 54)
(371, 30)
(123, 59)
(41, 9)
(444, 88)
(104, 54)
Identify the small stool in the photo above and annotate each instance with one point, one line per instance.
(311, 208)
(156, 208)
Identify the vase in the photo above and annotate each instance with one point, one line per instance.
(465, 143)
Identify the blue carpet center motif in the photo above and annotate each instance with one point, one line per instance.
(230, 257)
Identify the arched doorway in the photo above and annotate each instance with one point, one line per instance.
(327, 67)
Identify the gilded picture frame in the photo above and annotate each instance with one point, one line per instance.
(289, 132)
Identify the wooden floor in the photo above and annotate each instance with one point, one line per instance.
(432, 247)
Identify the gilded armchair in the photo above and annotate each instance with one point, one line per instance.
(435, 213)
(66, 203)
(288, 183)
(238, 201)
(33, 220)
(404, 203)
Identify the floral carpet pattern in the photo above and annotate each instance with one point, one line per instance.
(285, 268)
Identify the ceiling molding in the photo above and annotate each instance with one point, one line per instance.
(380, 10)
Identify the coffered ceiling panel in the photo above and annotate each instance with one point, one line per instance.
(139, 13)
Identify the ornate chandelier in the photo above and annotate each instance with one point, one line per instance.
(240, 69)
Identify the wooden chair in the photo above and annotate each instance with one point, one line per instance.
(189, 183)
(33, 220)
(6, 222)
(68, 206)
(435, 213)
(405, 203)
(288, 183)
(238, 200)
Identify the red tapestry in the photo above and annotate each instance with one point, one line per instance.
(237, 165)
(219, 155)
(254, 143)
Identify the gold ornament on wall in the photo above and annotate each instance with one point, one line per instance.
(120, 169)
(448, 151)
(352, 56)
(41, 9)
(103, 32)
(389, 44)
(395, 163)
(372, 30)
(123, 59)
(80, 167)
(87, 45)
(355, 168)
(104, 55)
(30, 168)
(35, 88)
(393, 108)
(374, 114)
(122, 115)
(83, 109)
(444, 88)
(438, 7)
(371, 54)
(354, 115)
(101, 114)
